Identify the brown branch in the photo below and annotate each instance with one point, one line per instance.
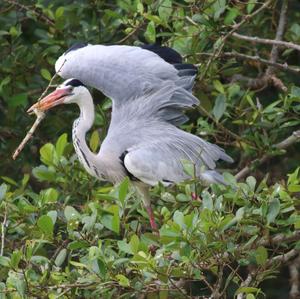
(266, 41)
(269, 77)
(280, 239)
(283, 66)
(279, 36)
(245, 283)
(294, 138)
(294, 278)
(219, 49)
(283, 258)
(280, 66)
(3, 228)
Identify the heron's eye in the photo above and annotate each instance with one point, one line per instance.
(71, 88)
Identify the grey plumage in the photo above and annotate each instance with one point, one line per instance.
(149, 98)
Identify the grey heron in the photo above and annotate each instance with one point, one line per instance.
(150, 89)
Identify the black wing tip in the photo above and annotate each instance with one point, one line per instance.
(76, 46)
(167, 54)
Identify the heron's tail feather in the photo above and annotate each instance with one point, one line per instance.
(212, 176)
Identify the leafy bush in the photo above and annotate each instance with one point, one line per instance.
(65, 234)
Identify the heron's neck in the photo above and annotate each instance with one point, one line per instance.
(80, 127)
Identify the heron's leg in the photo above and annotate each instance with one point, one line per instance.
(144, 191)
(151, 217)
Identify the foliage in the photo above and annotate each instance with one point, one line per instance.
(64, 234)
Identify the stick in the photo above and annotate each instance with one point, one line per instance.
(3, 232)
(267, 41)
(40, 115)
(294, 138)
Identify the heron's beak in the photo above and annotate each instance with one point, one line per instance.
(53, 99)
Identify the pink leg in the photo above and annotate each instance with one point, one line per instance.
(152, 220)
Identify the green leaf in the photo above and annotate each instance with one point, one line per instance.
(47, 153)
(178, 218)
(53, 216)
(218, 7)
(4, 261)
(294, 188)
(230, 179)
(50, 195)
(46, 74)
(95, 141)
(122, 280)
(45, 224)
(188, 167)
(15, 259)
(71, 213)
(3, 189)
(61, 257)
(207, 201)
(59, 12)
(273, 210)
(251, 181)
(231, 15)
(218, 86)
(42, 173)
(123, 189)
(112, 220)
(165, 10)
(261, 255)
(134, 244)
(150, 33)
(219, 107)
(247, 290)
(61, 144)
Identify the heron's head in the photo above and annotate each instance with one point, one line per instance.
(70, 91)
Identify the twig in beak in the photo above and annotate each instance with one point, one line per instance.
(39, 117)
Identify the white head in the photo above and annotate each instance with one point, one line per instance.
(70, 91)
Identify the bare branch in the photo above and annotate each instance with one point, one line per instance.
(280, 66)
(40, 116)
(269, 77)
(295, 278)
(294, 138)
(283, 258)
(280, 239)
(245, 283)
(219, 49)
(279, 35)
(266, 41)
(3, 228)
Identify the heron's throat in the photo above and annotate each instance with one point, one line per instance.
(80, 127)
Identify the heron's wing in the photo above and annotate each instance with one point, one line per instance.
(162, 160)
(125, 72)
(166, 104)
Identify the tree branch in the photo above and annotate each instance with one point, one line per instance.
(294, 138)
(258, 40)
(269, 77)
(279, 36)
(279, 239)
(219, 49)
(283, 258)
(3, 227)
(294, 278)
